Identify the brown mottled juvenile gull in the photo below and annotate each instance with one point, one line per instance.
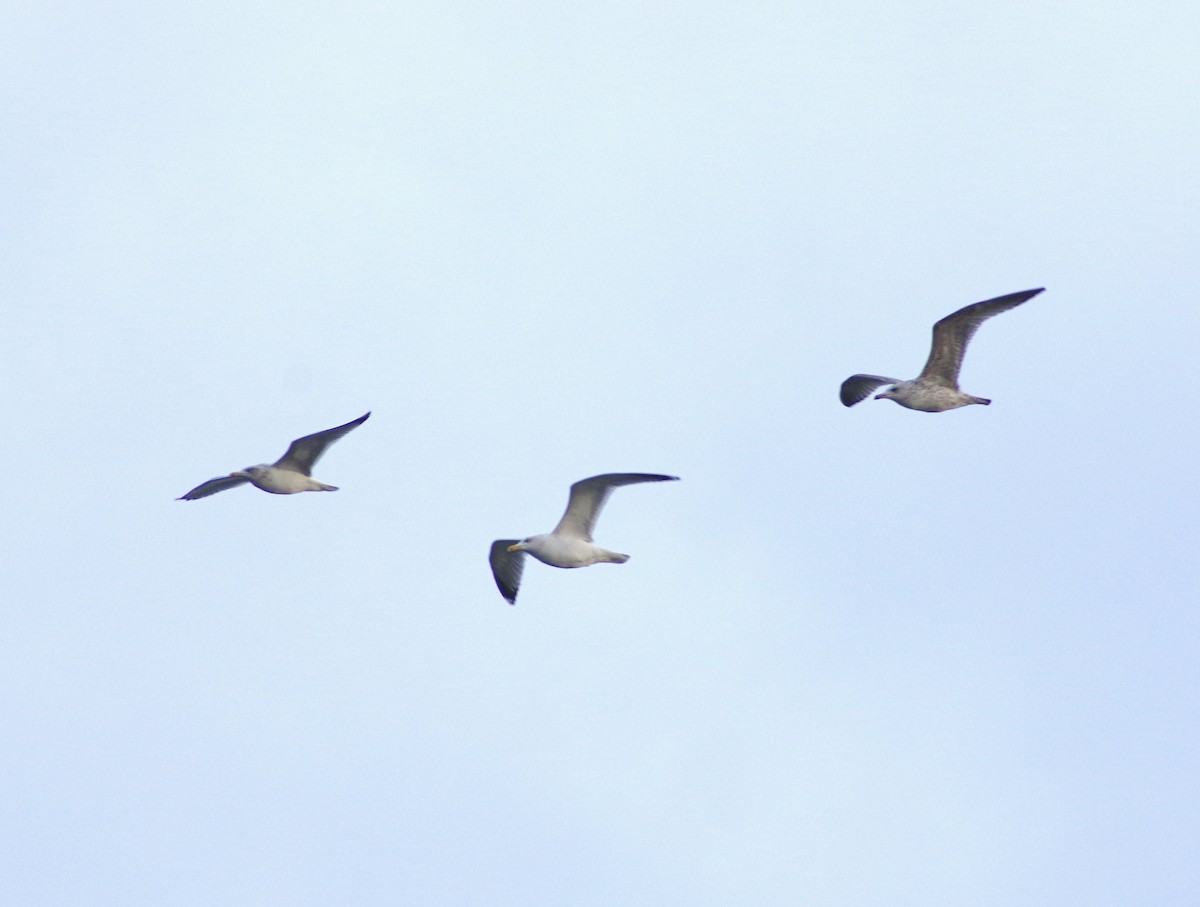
(290, 474)
(570, 544)
(936, 390)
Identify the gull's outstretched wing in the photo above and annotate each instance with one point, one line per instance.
(588, 497)
(952, 334)
(304, 452)
(212, 486)
(506, 568)
(857, 388)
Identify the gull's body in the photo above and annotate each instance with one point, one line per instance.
(570, 544)
(290, 474)
(936, 389)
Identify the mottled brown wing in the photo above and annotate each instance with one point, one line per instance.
(303, 453)
(952, 334)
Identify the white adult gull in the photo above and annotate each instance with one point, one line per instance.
(290, 474)
(570, 544)
(936, 389)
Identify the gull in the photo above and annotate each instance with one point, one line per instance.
(936, 390)
(570, 544)
(290, 474)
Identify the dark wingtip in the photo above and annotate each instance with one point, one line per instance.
(849, 392)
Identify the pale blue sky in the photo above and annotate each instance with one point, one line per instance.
(859, 657)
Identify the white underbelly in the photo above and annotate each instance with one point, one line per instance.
(282, 481)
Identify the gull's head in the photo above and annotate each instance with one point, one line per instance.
(522, 545)
(249, 472)
(889, 394)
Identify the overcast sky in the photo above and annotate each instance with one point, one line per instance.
(858, 658)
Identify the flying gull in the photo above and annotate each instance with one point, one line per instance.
(936, 390)
(570, 544)
(290, 474)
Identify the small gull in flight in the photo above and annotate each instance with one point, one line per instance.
(936, 390)
(570, 544)
(290, 474)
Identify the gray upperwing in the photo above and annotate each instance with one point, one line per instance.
(589, 495)
(952, 334)
(212, 486)
(303, 453)
(507, 567)
(857, 388)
